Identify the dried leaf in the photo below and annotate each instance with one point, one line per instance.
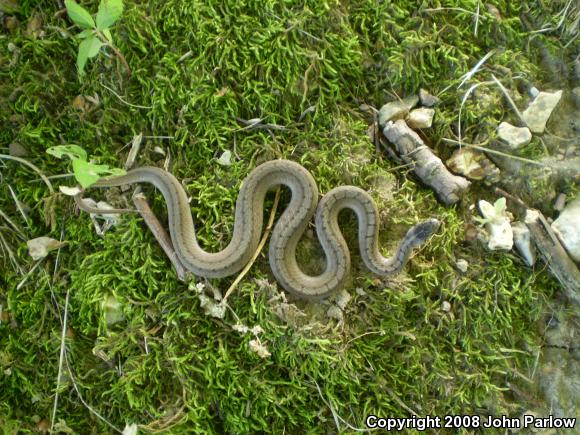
(259, 349)
(226, 158)
(69, 191)
(40, 247)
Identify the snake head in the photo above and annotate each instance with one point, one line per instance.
(421, 232)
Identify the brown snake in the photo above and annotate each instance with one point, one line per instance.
(286, 233)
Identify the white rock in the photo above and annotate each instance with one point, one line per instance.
(514, 137)
(501, 236)
(567, 228)
(421, 118)
(226, 158)
(396, 109)
(538, 112)
(462, 265)
(497, 225)
(534, 92)
(523, 243)
(130, 429)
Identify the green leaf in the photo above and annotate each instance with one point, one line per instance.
(94, 46)
(85, 33)
(79, 15)
(500, 206)
(85, 172)
(109, 12)
(108, 35)
(89, 47)
(82, 58)
(73, 152)
(88, 173)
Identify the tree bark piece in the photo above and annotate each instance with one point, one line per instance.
(427, 166)
(558, 261)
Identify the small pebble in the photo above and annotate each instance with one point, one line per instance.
(523, 243)
(538, 112)
(446, 306)
(396, 109)
(427, 99)
(462, 265)
(421, 118)
(514, 137)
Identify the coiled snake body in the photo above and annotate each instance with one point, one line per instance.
(287, 231)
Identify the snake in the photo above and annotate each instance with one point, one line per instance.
(287, 231)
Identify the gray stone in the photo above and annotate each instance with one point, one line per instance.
(421, 118)
(533, 92)
(514, 137)
(567, 227)
(427, 99)
(396, 109)
(538, 112)
(523, 243)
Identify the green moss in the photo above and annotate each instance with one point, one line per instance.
(197, 66)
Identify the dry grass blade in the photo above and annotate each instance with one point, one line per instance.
(509, 99)
(31, 166)
(61, 358)
(499, 153)
(259, 248)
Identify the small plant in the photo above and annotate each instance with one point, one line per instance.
(492, 213)
(96, 33)
(85, 172)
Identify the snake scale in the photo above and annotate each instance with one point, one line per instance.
(286, 233)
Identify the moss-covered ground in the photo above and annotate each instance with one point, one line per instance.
(197, 66)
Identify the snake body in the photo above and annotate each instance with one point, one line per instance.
(288, 229)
